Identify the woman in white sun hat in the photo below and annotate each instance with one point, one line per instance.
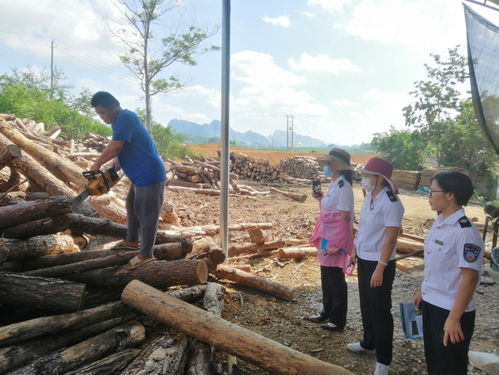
(379, 225)
(333, 238)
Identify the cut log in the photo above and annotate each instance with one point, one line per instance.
(112, 364)
(159, 273)
(206, 248)
(21, 353)
(38, 246)
(201, 354)
(411, 237)
(4, 252)
(8, 154)
(116, 339)
(406, 246)
(235, 250)
(258, 236)
(297, 252)
(41, 293)
(227, 337)
(418, 253)
(254, 282)
(193, 190)
(164, 356)
(62, 168)
(54, 324)
(169, 251)
(13, 182)
(34, 210)
(90, 225)
(295, 196)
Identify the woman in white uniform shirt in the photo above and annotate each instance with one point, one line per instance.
(379, 225)
(453, 261)
(333, 238)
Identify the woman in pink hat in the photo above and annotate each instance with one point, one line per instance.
(379, 225)
(333, 239)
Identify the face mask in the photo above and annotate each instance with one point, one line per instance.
(366, 184)
(327, 171)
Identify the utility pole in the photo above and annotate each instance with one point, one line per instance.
(289, 132)
(52, 69)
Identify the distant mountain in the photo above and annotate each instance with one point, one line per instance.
(196, 133)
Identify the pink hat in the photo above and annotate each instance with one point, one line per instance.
(381, 167)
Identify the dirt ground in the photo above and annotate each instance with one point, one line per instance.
(210, 149)
(283, 321)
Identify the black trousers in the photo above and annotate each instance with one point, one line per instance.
(453, 358)
(334, 295)
(375, 307)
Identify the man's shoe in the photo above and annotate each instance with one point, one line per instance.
(331, 327)
(316, 318)
(357, 348)
(381, 369)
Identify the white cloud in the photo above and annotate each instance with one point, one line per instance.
(80, 31)
(283, 21)
(330, 5)
(323, 64)
(420, 24)
(199, 92)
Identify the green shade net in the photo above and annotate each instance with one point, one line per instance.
(483, 62)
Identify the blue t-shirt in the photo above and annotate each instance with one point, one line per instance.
(138, 158)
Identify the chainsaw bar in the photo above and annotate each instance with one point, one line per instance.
(79, 198)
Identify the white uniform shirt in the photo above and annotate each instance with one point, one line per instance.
(451, 244)
(339, 197)
(384, 210)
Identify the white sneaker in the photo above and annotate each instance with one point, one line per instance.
(357, 348)
(381, 369)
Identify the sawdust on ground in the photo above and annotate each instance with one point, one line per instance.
(283, 321)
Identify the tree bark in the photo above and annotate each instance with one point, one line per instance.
(254, 282)
(235, 250)
(8, 154)
(34, 210)
(38, 246)
(105, 258)
(201, 354)
(55, 324)
(116, 339)
(90, 225)
(21, 353)
(41, 293)
(74, 261)
(295, 196)
(297, 252)
(164, 356)
(62, 168)
(407, 246)
(112, 364)
(211, 230)
(227, 337)
(159, 273)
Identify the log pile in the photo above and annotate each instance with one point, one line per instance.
(255, 169)
(305, 167)
(428, 173)
(408, 180)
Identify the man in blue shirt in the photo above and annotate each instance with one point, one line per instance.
(136, 154)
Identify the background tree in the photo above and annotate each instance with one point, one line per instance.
(405, 149)
(146, 67)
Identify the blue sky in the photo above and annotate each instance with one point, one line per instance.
(342, 68)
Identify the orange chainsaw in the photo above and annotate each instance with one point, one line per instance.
(98, 183)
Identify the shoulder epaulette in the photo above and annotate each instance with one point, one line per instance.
(391, 195)
(340, 183)
(464, 222)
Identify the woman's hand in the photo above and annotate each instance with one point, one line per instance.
(417, 299)
(453, 331)
(377, 277)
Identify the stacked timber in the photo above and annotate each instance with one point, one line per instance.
(428, 173)
(255, 169)
(305, 167)
(408, 180)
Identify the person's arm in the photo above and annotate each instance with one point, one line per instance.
(452, 326)
(390, 240)
(111, 151)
